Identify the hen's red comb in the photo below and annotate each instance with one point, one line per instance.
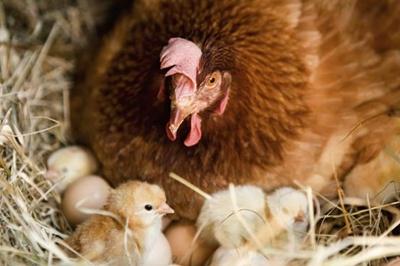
(183, 57)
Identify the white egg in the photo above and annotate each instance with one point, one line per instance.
(394, 262)
(86, 192)
(238, 257)
(67, 164)
(160, 252)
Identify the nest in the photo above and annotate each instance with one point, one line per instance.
(356, 217)
(38, 41)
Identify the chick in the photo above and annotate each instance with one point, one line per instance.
(239, 257)
(217, 219)
(160, 253)
(289, 210)
(278, 220)
(128, 235)
(66, 165)
(283, 211)
(286, 226)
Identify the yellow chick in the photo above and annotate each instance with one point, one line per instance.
(127, 236)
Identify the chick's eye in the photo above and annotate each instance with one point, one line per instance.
(148, 207)
(214, 79)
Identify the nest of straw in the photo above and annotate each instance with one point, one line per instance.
(38, 41)
(357, 217)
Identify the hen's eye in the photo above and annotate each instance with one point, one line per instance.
(148, 207)
(214, 79)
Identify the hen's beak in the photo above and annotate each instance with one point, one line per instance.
(165, 209)
(176, 119)
(183, 92)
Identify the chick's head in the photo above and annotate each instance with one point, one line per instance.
(140, 203)
(218, 219)
(289, 207)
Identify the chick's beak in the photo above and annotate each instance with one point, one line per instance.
(52, 174)
(165, 209)
(300, 217)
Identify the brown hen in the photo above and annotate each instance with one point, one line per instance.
(264, 92)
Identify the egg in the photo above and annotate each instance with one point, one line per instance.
(91, 191)
(239, 257)
(67, 164)
(160, 253)
(180, 237)
(394, 262)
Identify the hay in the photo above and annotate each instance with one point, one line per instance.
(38, 40)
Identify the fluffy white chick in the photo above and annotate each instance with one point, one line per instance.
(218, 221)
(288, 220)
(290, 208)
(66, 165)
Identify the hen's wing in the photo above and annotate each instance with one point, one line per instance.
(353, 50)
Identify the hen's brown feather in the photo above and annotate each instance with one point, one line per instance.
(303, 74)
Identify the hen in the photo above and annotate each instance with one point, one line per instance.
(262, 92)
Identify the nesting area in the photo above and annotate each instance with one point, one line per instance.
(38, 44)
